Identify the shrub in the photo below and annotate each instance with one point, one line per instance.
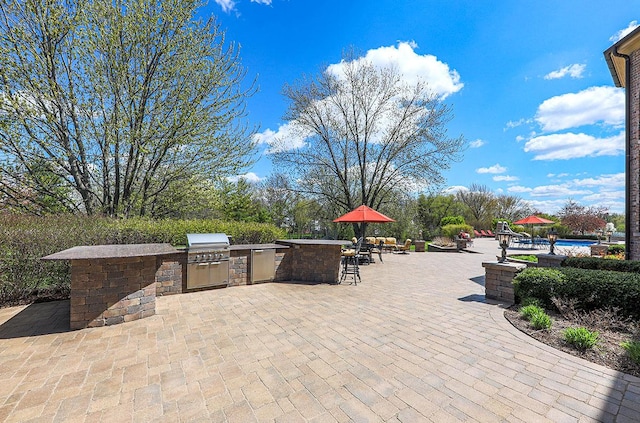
(452, 220)
(602, 289)
(452, 231)
(25, 239)
(529, 311)
(616, 249)
(633, 348)
(596, 263)
(540, 283)
(581, 338)
(541, 321)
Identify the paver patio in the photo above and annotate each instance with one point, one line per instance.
(415, 341)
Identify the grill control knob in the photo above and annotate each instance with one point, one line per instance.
(197, 258)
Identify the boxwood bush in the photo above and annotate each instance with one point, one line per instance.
(592, 289)
(596, 263)
(25, 239)
(538, 282)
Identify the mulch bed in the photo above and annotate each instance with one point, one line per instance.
(607, 352)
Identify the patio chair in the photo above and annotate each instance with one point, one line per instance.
(404, 249)
(365, 253)
(377, 249)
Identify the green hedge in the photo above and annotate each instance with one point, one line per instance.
(25, 239)
(592, 289)
(596, 263)
(452, 231)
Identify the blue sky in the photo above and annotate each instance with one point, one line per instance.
(527, 81)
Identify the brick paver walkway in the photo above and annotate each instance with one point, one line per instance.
(413, 342)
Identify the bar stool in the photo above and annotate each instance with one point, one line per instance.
(350, 259)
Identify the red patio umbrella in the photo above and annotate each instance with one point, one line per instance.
(533, 220)
(363, 214)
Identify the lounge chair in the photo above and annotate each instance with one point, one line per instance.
(390, 243)
(484, 234)
(404, 249)
(491, 234)
(477, 234)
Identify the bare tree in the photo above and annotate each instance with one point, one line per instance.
(511, 207)
(123, 99)
(480, 203)
(366, 134)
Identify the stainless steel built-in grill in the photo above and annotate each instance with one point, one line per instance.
(207, 260)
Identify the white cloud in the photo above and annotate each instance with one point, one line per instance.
(476, 144)
(227, 5)
(548, 206)
(571, 146)
(574, 71)
(561, 190)
(505, 178)
(613, 181)
(249, 177)
(453, 189)
(288, 137)
(496, 168)
(515, 124)
(519, 189)
(624, 32)
(590, 106)
(412, 66)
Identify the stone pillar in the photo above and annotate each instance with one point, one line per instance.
(170, 274)
(498, 280)
(548, 260)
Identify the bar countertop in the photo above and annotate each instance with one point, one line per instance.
(89, 252)
(314, 241)
(240, 247)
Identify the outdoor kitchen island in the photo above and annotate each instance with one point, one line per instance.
(112, 284)
(313, 260)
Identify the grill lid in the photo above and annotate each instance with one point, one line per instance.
(218, 240)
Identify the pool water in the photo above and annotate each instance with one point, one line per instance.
(574, 243)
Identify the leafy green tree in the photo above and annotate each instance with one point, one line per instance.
(367, 135)
(238, 202)
(124, 98)
(432, 209)
(452, 220)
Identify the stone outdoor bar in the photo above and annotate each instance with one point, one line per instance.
(112, 284)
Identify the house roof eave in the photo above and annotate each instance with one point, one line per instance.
(625, 46)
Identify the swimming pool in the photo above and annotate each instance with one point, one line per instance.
(574, 243)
